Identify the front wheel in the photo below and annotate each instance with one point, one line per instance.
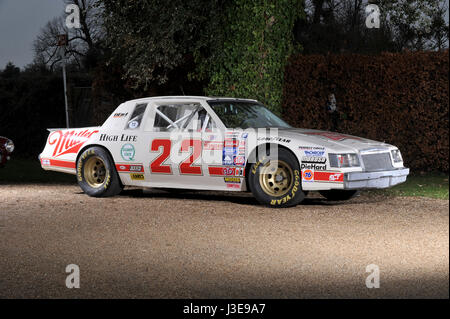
(276, 181)
(339, 194)
(96, 173)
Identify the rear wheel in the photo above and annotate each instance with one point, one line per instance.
(339, 194)
(276, 181)
(96, 173)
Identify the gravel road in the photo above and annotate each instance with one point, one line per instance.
(218, 245)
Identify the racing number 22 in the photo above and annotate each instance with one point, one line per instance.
(186, 167)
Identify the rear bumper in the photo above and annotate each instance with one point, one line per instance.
(383, 179)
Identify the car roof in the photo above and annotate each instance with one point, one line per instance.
(184, 97)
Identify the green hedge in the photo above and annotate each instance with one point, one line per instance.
(400, 98)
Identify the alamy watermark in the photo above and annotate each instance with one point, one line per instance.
(73, 18)
(373, 280)
(373, 18)
(73, 279)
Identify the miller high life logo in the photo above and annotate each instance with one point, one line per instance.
(68, 141)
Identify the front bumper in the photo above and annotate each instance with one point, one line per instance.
(383, 179)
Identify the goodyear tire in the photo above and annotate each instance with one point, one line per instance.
(339, 194)
(96, 173)
(276, 182)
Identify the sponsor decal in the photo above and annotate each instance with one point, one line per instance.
(226, 171)
(311, 148)
(227, 159)
(315, 167)
(127, 152)
(308, 175)
(335, 177)
(119, 115)
(212, 145)
(133, 124)
(239, 160)
(137, 176)
(117, 138)
(45, 161)
(273, 138)
(244, 135)
(239, 172)
(313, 153)
(234, 186)
(333, 136)
(232, 180)
(68, 142)
(130, 168)
(228, 155)
(231, 134)
(136, 168)
(314, 159)
(233, 143)
(329, 177)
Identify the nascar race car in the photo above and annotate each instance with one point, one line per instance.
(224, 144)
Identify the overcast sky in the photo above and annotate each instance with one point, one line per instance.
(20, 23)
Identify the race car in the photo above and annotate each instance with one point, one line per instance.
(221, 144)
(6, 149)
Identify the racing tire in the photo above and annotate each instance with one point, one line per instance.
(339, 194)
(96, 173)
(276, 182)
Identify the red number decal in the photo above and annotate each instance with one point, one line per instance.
(186, 166)
(156, 166)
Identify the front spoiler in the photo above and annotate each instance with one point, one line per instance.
(383, 179)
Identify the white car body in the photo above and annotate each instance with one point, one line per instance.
(141, 153)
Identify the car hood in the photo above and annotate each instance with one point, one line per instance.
(331, 140)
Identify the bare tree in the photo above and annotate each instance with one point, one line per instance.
(82, 42)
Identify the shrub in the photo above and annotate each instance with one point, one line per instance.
(400, 98)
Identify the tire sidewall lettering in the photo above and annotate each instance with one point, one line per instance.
(292, 193)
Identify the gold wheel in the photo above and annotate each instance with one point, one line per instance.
(276, 178)
(94, 171)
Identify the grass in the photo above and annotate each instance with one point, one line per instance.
(18, 170)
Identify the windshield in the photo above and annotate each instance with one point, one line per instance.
(240, 114)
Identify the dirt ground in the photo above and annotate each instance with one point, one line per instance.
(218, 245)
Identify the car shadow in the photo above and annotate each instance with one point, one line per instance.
(243, 198)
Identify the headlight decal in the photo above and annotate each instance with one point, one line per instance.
(396, 156)
(344, 160)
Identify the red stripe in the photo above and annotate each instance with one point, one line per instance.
(329, 177)
(58, 163)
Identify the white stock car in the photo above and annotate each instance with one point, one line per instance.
(205, 143)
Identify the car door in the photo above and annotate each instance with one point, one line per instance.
(173, 140)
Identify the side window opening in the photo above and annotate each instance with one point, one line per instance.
(186, 117)
(136, 118)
